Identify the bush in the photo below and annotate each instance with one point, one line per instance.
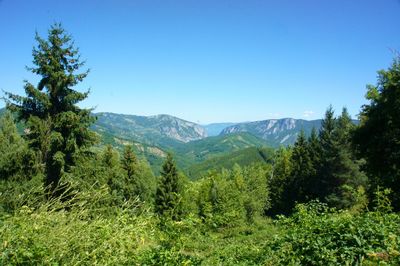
(317, 235)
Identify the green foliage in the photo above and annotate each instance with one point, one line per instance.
(138, 176)
(340, 171)
(56, 126)
(234, 197)
(105, 168)
(16, 160)
(278, 182)
(168, 195)
(377, 138)
(317, 235)
(244, 157)
(321, 167)
(65, 232)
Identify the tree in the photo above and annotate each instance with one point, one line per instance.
(326, 182)
(347, 176)
(56, 127)
(377, 139)
(15, 158)
(278, 183)
(302, 171)
(129, 162)
(138, 180)
(315, 152)
(168, 191)
(339, 175)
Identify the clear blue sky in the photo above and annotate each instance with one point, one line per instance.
(212, 61)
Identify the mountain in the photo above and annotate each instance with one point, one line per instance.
(201, 150)
(216, 128)
(275, 132)
(241, 157)
(160, 130)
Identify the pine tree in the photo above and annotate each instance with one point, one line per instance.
(315, 152)
(302, 171)
(56, 127)
(378, 137)
(168, 191)
(110, 157)
(347, 175)
(278, 183)
(339, 175)
(129, 162)
(326, 183)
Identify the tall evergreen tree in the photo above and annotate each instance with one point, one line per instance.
(315, 152)
(302, 171)
(56, 126)
(339, 175)
(326, 182)
(129, 162)
(347, 175)
(168, 191)
(378, 137)
(133, 184)
(278, 183)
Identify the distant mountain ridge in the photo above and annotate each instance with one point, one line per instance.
(196, 148)
(162, 130)
(168, 132)
(275, 132)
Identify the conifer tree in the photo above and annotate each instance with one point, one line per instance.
(133, 183)
(339, 174)
(56, 127)
(168, 191)
(278, 183)
(347, 175)
(129, 162)
(378, 137)
(326, 182)
(302, 171)
(314, 151)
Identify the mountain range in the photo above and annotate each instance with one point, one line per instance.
(197, 147)
(169, 131)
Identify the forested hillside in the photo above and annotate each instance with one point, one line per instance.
(71, 196)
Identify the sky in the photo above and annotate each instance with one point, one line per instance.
(212, 61)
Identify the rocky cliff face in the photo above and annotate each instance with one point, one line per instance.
(275, 131)
(163, 130)
(177, 128)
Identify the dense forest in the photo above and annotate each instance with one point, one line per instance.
(68, 198)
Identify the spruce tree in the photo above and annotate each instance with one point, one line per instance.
(302, 171)
(129, 162)
(133, 182)
(339, 175)
(347, 175)
(326, 183)
(378, 137)
(168, 191)
(56, 127)
(315, 152)
(278, 183)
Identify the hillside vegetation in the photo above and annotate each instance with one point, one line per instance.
(332, 198)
